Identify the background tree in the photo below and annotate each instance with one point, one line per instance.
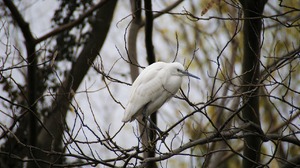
(250, 69)
(57, 112)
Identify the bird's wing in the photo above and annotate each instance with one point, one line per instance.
(145, 89)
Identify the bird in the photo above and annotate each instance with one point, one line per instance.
(155, 85)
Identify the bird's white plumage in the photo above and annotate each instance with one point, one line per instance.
(152, 88)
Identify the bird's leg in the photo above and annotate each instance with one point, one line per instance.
(159, 132)
(154, 125)
(146, 118)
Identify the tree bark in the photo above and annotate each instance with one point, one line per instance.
(251, 62)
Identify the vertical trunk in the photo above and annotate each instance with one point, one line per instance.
(251, 62)
(148, 32)
(146, 135)
(31, 89)
(29, 122)
(132, 37)
(151, 60)
(132, 53)
(30, 44)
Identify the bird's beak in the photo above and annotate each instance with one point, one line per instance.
(188, 74)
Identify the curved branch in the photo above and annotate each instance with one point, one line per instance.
(214, 138)
(24, 26)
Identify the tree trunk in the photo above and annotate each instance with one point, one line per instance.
(151, 60)
(50, 137)
(251, 62)
(136, 24)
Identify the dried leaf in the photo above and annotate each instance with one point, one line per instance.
(208, 6)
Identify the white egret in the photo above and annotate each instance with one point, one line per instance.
(153, 87)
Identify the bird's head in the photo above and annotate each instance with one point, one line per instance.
(178, 69)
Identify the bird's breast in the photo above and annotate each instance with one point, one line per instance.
(173, 84)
